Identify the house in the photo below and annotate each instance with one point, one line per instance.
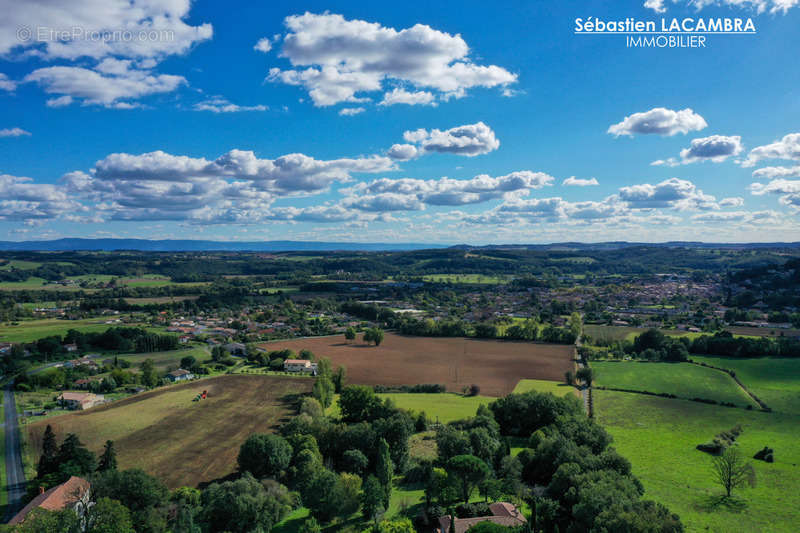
(297, 365)
(71, 347)
(183, 339)
(236, 348)
(80, 400)
(179, 375)
(82, 383)
(72, 494)
(503, 514)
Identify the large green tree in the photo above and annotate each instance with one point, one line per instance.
(468, 471)
(265, 455)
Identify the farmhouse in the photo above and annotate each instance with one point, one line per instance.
(298, 365)
(72, 494)
(180, 375)
(236, 348)
(80, 400)
(503, 514)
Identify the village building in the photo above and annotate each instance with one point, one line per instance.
(503, 514)
(299, 365)
(72, 494)
(80, 400)
(179, 375)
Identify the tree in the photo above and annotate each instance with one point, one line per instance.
(264, 455)
(373, 335)
(348, 492)
(586, 375)
(569, 377)
(372, 499)
(359, 403)
(149, 373)
(402, 525)
(108, 516)
(576, 324)
(350, 333)
(188, 362)
(468, 472)
(73, 457)
(108, 461)
(354, 461)
(320, 495)
(244, 505)
(731, 471)
(47, 461)
(384, 469)
(43, 521)
(141, 493)
(310, 526)
(323, 390)
(339, 379)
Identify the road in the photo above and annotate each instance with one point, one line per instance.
(15, 473)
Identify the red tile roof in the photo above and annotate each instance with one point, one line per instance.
(55, 499)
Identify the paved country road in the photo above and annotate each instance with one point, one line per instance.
(15, 474)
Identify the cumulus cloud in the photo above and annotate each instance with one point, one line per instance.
(731, 202)
(759, 6)
(716, 148)
(113, 84)
(219, 104)
(340, 58)
(749, 217)
(403, 152)
(446, 191)
(660, 121)
(578, 182)
(351, 111)
(23, 200)
(788, 190)
(777, 172)
(7, 84)
(468, 140)
(401, 96)
(673, 193)
(13, 132)
(156, 29)
(263, 45)
(786, 148)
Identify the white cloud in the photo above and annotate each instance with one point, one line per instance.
(578, 182)
(716, 148)
(468, 140)
(111, 87)
(659, 121)
(7, 84)
(94, 29)
(219, 104)
(673, 193)
(777, 172)
(263, 45)
(23, 200)
(759, 6)
(731, 202)
(786, 148)
(789, 191)
(401, 96)
(403, 152)
(450, 192)
(351, 111)
(342, 58)
(13, 132)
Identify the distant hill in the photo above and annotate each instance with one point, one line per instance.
(168, 245)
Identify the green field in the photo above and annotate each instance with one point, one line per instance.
(684, 380)
(659, 435)
(163, 360)
(31, 330)
(540, 385)
(775, 380)
(443, 407)
(464, 278)
(20, 265)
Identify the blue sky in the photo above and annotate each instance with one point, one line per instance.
(429, 122)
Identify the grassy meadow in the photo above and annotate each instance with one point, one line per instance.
(659, 435)
(684, 380)
(31, 330)
(540, 385)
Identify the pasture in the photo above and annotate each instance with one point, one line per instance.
(31, 330)
(775, 380)
(171, 358)
(684, 380)
(175, 439)
(539, 385)
(659, 435)
(495, 366)
(475, 279)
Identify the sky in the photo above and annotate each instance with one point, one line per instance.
(433, 122)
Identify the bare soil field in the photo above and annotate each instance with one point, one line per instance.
(180, 441)
(496, 366)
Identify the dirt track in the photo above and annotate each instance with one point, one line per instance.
(496, 366)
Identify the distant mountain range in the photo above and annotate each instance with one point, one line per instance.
(146, 245)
